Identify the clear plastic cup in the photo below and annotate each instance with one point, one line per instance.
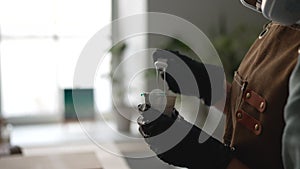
(160, 101)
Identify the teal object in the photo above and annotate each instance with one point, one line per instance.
(79, 104)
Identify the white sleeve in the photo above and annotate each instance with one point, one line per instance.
(291, 135)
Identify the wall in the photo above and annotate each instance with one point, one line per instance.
(206, 14)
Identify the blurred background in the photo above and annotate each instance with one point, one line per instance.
(40, 42)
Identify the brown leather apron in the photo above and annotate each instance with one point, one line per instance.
(258, 95)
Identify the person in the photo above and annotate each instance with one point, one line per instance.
(254, 105)
(291, 135)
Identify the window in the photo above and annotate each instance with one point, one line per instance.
(40, 44)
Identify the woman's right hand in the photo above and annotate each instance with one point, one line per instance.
(189, 77)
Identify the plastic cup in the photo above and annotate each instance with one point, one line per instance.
(160, 101)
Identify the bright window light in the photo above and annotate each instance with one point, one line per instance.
(40, 44)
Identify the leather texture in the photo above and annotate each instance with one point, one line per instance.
(255, 100)
(264, 72)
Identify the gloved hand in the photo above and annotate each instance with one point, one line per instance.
(176, 142)
(189, 77)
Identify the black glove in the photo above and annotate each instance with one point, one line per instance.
(176, 142)
(189, 77)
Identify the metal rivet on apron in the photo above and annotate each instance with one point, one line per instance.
(248, 95)
(239, 115)
(256, 127)
(262, 104)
